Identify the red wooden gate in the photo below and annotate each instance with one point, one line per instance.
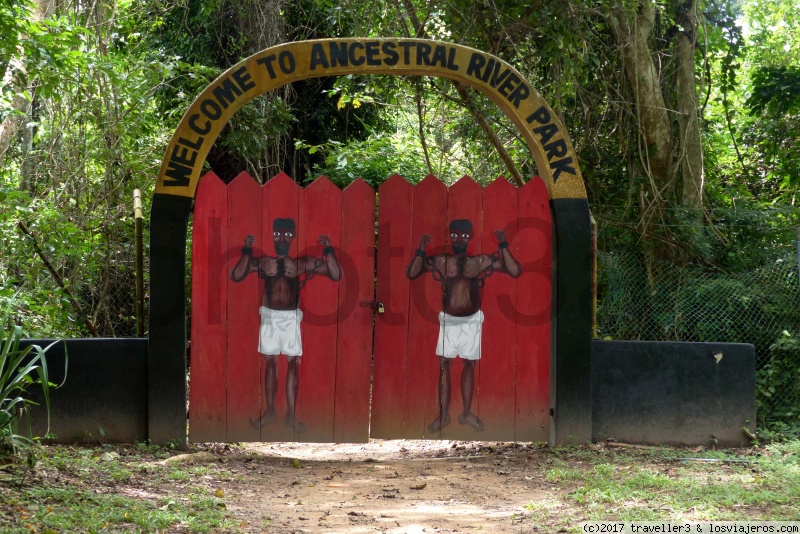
(274, 262)
(506, 395)
(281, 349)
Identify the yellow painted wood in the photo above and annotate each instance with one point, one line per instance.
(279, 65)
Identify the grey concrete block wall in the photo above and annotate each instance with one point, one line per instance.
(671, 393)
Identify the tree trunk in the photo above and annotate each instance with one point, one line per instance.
(632, 31)
(15, 77)
(691, 162)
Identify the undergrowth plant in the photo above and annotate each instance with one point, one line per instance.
(20, 369)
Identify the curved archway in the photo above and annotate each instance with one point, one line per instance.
(505, 86)
(267, 70)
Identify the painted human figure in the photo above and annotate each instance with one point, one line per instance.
(279, 333)
(462, 278)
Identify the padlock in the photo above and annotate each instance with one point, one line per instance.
(381, 307)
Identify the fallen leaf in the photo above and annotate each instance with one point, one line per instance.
(219, 493)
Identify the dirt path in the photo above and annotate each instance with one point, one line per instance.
(388, 486)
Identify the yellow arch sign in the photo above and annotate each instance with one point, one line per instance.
(505, 86)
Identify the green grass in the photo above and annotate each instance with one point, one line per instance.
(94, 490)
(660, 484)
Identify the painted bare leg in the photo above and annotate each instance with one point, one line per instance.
(292, 387)
(444, 397)
(467, 387)
(270, 387)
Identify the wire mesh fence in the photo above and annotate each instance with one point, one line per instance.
(657, 301)
(89, 293)
(109, 301)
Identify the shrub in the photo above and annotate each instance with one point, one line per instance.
(20, 368)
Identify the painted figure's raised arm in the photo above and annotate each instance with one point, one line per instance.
(328, 264)
(504, 261)
(247, 263)
(419, 263)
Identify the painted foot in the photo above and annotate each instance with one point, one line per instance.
(441, 422)
(268, 417)
(472, 420)
(292, 422)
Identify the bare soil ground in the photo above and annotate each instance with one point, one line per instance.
(399, 486)
(391, 486)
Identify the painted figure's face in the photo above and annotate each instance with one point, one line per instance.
(282, 237)
(459, 240)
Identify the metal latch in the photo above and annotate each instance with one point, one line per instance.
(374, 304)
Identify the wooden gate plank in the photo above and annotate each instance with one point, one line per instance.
(395, 248)
(354, 349)
(280, 200)
(464, 202)
(244, 299)
(321, 215)
(533, 319)
(422, 370)
(499, 356)
(209, 312)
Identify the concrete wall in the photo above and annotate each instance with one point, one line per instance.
(673, 393)
(641, 392)
(106, 388)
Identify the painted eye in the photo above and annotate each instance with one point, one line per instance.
(465, 236)
(289, 234)
(454, 235)
(276, 234)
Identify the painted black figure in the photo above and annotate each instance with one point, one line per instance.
(279, 333)
(460, 320)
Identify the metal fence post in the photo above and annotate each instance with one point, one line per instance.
(137, 212)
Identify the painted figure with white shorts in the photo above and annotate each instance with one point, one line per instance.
(279, 332)
(460, 322)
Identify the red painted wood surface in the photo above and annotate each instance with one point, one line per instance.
(354, 342)
(209, 312)
(499, 305)
(281, 199)
(422, 369)
(321, 214)
(535, 244)
(395, 250)
(243, 300)
(229, 391)
(464, 201)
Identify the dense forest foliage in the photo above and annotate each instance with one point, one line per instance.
(685, 115)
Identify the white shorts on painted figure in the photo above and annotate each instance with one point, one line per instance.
(460, 336)
(280, 332)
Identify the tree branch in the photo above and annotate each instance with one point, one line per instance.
(467, 103)
(56, 277)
